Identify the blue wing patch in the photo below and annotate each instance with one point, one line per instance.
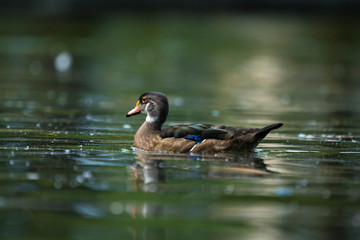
(195, 138)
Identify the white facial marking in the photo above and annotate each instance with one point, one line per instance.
(146, 108)
(149, 118)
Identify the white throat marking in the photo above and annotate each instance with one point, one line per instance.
(151, 119)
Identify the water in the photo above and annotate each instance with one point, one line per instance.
(67, 166)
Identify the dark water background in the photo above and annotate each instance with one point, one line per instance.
(67, 166)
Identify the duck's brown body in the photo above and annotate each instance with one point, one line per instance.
(149, 139)
(210, 138)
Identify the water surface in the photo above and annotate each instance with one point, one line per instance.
(67, 166)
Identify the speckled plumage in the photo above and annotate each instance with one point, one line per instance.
(194, 138)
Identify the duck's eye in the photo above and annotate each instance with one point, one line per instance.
(143, 100)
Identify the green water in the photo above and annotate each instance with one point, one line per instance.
(67, 166)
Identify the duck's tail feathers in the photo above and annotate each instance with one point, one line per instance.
(261, 133)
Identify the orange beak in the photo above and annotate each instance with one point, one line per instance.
(134, 111)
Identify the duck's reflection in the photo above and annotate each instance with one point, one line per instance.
(166, 173)
(152, 168)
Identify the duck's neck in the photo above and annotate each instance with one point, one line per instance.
(155, 118)
(147, 129)
(153, 123)
(146, 134)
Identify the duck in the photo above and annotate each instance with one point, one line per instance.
(194, 138)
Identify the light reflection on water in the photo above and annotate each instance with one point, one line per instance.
(67, 161)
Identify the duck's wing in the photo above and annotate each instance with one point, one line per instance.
(258, 132)
(244, 139)
(196, 132)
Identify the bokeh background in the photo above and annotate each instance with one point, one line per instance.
(70, 70)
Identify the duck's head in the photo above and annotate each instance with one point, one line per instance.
(155, 105)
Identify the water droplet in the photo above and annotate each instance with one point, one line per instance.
(38, 125)
(28, 111)
(178, 101)
(87, 174)
(12, 162)
(229, 189)
(116, 208)
(283, 191)
(215, 113)
(58, 185)
(79, 179)
(33, 176)
(310, 136)
(63, 62)
(302, 135)
(27, 164)
(127, 126)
